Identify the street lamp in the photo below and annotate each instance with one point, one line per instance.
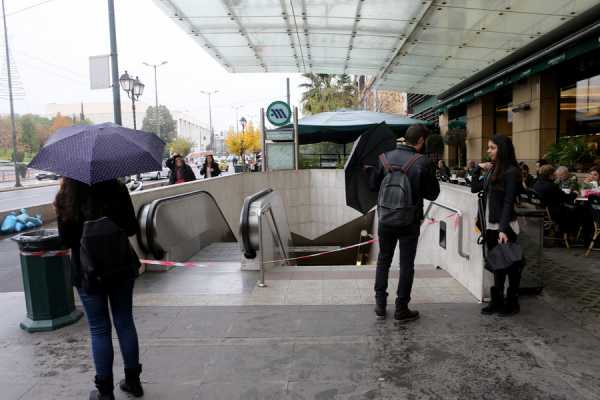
(156, 113)
(243, 122)
(212, 133)
(134, 89)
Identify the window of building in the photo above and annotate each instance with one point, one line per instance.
(580, 108)
(503, 115)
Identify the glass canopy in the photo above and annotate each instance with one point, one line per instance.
(407, 45)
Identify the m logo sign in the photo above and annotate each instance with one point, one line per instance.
(279, 113)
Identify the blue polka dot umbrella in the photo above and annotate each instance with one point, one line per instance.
(97, 153)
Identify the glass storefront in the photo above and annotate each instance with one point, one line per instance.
(579, 98)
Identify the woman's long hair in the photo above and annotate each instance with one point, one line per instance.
(211, 162)
(69, 198)
(505, 158)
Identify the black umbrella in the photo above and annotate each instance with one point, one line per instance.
(365, 153)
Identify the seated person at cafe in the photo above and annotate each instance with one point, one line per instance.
(443, 171)
(593, 178)
(566, 181)
(470, 171)
(554, 198)
(538, 165)
(527, 180)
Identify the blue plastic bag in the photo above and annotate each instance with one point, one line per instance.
(8, 225)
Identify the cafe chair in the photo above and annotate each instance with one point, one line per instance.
(551, 229)
(594, 203)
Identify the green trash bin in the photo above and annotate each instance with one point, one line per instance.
(46, 269)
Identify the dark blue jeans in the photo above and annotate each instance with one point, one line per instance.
(96, 310)
(408, 239)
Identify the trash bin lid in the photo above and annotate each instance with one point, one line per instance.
(43, 239)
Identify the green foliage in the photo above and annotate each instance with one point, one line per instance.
(327, 92)
(167, 128)
(570, 153)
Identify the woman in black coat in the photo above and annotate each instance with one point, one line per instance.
(210, 168)
(501, 185)
(180, 171)
(75, 204)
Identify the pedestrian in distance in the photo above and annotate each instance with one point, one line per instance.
(500, 184)
(443, 171)
(180, 171)
(403, 177)
(210, 168)
(95, 221)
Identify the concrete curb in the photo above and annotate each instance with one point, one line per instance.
(11, 189)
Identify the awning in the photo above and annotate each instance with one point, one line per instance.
(346, 126)
(407, 45)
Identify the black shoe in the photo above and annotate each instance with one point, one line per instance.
(105, 389)
(131, 384)
(511, 306)
(496, 304)
(404, 314)
(380, 311)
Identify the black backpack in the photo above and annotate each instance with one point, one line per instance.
(106, 255)
(395, 204)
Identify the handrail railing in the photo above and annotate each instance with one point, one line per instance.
(147, 219)
(460, 225)
(248, 250)
(253, 227)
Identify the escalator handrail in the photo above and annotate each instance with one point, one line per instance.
(249, 251)
(148, 244)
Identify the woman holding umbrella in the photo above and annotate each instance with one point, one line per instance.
(90, 202)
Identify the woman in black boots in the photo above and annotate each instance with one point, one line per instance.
(75, 204)
(501, 184)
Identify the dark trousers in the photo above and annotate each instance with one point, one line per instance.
(96, 310)
(513, 273)
(408, 238)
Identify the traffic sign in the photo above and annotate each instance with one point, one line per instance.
(279, 113)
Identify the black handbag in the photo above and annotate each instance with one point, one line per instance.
(503, 257)
(106, 255)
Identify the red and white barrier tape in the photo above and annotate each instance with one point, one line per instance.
(199, 264)
(453, 217)
(44, 253)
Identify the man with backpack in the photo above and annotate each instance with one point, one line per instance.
(403, 178)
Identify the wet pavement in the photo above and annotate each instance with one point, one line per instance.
(210, 333)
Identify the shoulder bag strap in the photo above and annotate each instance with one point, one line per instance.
(386, 164)
(406, 167)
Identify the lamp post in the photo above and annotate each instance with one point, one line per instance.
(156, 113)
(212, 132)
(134, 89)
(243, 123)
(10, 100)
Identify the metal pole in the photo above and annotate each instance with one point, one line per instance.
(264, 140)
(133, 108)
(11, 100)
(212, 133)
(261, 282)
(156, 102)
(287, 82)
(296, 140)
(114, 62)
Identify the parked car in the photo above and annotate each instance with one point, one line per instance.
(156, 175)
(40, 176)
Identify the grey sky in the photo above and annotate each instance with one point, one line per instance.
(51, 44)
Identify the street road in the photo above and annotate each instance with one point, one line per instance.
(27, 197)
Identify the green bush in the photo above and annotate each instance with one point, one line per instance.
(572, 153)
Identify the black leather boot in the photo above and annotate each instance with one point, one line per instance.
(105, 389)
(131, 384)
(496, 303)
(511, 305)
(404, 314)
(380, 310)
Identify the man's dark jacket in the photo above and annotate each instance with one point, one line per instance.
(500, 196)
(553, 197)
(424, 183)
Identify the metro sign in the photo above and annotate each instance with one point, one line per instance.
(279, 113)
